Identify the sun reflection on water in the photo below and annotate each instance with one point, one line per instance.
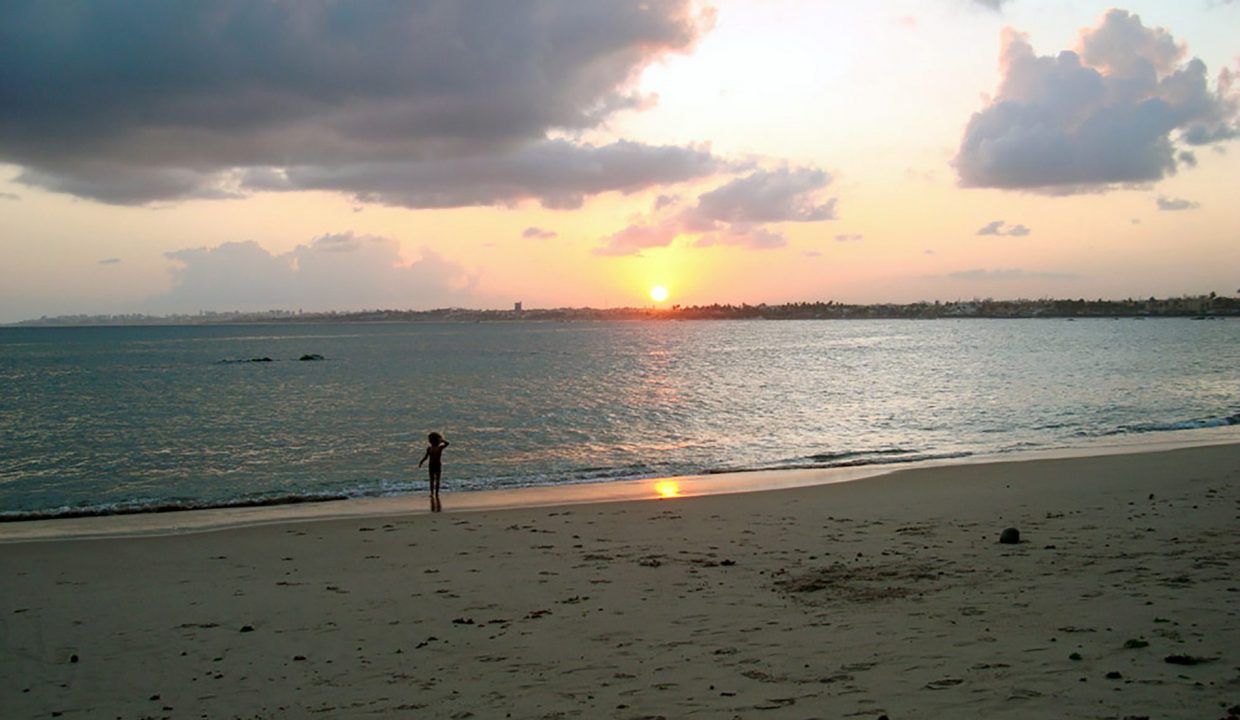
(667, 488)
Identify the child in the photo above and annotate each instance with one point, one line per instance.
(434, 452)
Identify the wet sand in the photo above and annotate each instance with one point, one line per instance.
(887, 596)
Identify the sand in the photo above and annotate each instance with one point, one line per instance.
(887, 596)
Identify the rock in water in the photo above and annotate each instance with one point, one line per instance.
(1009, 536)
(310, 356)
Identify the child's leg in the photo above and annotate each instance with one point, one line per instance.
(435, 475)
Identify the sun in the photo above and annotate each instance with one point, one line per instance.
(658, 293)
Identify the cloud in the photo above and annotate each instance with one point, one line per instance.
(996, 5)
(849, 237)
(665, 201)
(557, 173)
(1000, 227)
(1114, 112)
(742, 235)
(9, 196)
(735, 213)
(158, 101)
(1008, 275)
(632, 239)
(335, 271)
(110, 261)
(1174, 204)
(538, 233)
(785, 194)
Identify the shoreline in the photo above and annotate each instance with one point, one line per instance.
(177, 521)
(891, 596)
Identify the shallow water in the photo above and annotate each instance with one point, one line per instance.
(140, 417)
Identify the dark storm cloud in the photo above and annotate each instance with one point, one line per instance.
(332, 271)
(148, 100)
(1112, 113)
(735, 213)
(557, 173)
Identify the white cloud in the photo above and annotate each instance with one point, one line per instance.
(631, 240)
(1008, 275)
(1000, 227)
(1114, 112)
(335, 271)
(782, 195)
(538, 233)
(1174, 204)
(742, 235)
(736, 213)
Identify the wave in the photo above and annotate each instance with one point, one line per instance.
(856, 454)
(850, 459)
(587, 475)
(165, 506)
(1197, 424)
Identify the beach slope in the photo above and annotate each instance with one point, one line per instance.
(888, 596)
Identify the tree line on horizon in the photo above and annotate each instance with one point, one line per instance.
(1203, 306)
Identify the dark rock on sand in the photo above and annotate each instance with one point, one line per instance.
(311, 356)
(1188, 659)
(1135, 644)
(1114, 675)
(1009, 536)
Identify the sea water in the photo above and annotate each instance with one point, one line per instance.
(115, 419)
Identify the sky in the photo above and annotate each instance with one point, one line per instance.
(175, 157)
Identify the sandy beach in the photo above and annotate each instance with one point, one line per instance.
(886, 596)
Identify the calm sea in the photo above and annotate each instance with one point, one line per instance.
(128, 418)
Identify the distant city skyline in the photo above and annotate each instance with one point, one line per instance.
(170, 158)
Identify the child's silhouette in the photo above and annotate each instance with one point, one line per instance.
(434, 453)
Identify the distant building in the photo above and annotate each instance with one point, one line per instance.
(516, 307)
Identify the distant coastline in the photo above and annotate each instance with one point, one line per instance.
(1201, 306)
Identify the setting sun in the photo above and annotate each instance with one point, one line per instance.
(658, 293)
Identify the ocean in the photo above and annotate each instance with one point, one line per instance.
(98, 420)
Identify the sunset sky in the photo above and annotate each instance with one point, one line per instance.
(174, 157)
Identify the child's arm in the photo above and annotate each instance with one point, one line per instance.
(444, 443)
(424, 456)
